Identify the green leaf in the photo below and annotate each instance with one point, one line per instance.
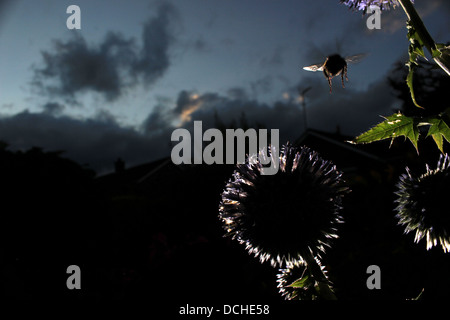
(304, 282)
(394, 126)
(415, 50)
(418, 50)
(409, 82)
(439, 141)
(440, 50)
(438, 129)
(416, 42)
(442, 46)
(441, 55)
(436, 53)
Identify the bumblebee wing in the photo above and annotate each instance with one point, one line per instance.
(314, 67)
(355, 58)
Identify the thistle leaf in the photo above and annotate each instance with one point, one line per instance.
(394, 126)
(304, 282)
(415, 50)
(409, 82)
(438, 129)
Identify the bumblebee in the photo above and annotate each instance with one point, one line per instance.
(335, 65)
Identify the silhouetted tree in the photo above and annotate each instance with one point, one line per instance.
(49, 217)
(430, 87)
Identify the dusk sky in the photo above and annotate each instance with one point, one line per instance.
(136, 70)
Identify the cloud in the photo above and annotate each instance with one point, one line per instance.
(5, 6)
(97, 142)
(165, 116)
(101, 140)
(76, 67)
(116, 63)
(237, 93)
(160, 119)
(53, 108)
(210, 107)
(153, 59)
(354, 111)
(262, 85)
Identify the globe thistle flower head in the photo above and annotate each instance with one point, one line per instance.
(362, 5)
(422, 204)
(277, 217)
(295, 282)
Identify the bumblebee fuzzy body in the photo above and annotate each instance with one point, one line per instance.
(334, 65)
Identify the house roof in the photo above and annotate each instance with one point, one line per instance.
(337, 140)
(331, 146)
(336, 148)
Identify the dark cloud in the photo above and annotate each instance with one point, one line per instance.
(237, 94)
(101, 140)
(153, 59)
(316, 51)
(183, 101)
(110, 67)
(211, 107)
(354, 111)
(262, 85)
(446, 5)
(53, 108)
(5, 6)
(159, 120)
(76, 67)
(5, 3)
(97, 142)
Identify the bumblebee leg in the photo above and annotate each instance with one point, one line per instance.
(327, 75)
(344, 73)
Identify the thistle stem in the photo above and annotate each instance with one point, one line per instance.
(318, 275)
(444, 60)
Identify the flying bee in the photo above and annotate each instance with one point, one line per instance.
(335, 65)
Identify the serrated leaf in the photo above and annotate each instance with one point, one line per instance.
(436, 53)
(438, 129)
(394, 126)
(439, 141)
(440, 49)
(442, 46)
(415, 49)
(409, 82)
(418, 50)
(303, 282)
(413, 36)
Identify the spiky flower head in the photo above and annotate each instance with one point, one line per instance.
(277, 217)
(362, 5)
(295, 282)
(422, 204)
